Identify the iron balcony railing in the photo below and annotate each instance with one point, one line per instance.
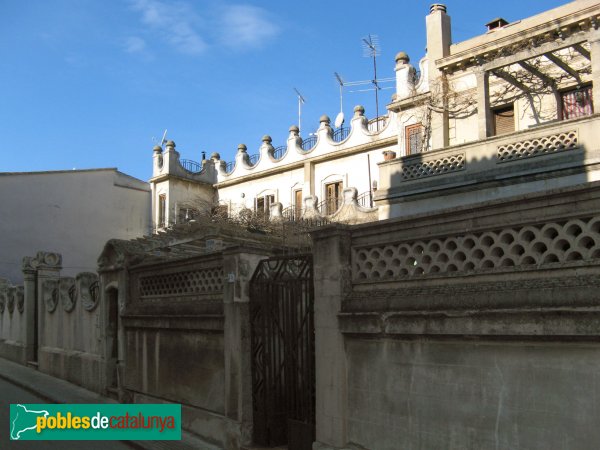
(229, 166)
(254, 159)
(191, 166)
(279, 152)
(365, 199)
(377, 124)
(309, 143)
(341, 134)
(329, 205)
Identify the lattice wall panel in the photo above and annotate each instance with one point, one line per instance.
(434, 167)
(538, 146)
(203, 281)
(535, 245)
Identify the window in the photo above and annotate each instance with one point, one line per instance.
(504, 120)
(162, 210)
(577, 102)
(297, 203)
(414, 138)
(333, 197)
(262, 205)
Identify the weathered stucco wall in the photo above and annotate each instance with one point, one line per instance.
(71, 212)
(465, 329)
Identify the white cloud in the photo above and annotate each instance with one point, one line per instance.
(176, 22)
(246, 26)
(134, 44)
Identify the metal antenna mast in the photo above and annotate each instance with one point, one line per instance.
(300, 102)
(372, 50)
(340, 80)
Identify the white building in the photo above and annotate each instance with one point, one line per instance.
(460, 118)
(72, 212)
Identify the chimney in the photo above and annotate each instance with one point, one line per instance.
(439, 36)
(498, 22)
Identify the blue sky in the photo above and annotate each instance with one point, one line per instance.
(88, 83)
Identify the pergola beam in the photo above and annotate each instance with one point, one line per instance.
(563, 65)
(582, 51)
(510, 79)
(538, 73)
(534, 52)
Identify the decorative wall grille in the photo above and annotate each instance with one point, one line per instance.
(440, 166)
(532, 245)
(203, 281)
(538, 146)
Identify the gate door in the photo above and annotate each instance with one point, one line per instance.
(283, 352)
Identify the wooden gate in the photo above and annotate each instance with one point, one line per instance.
(283, 352)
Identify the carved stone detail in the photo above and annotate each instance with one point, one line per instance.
(68, 293)
(10, 302)
(537, 147)
(49, 259)
(50, 294)
(441, 166)
(87, 289)
(504, 249)
(20, 298)
(203, 281)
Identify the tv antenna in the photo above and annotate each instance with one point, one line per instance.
(371, 49)
(301, 101)
(339, 120)
(163, 140)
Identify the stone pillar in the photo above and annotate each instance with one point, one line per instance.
(239, 266)
(595, 54)
(30, 310)
(439, 39)
(48, 275)
(484, 116)
(332, 273)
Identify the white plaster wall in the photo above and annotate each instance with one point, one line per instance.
(281, 185)
(70, 212)
(181, 192)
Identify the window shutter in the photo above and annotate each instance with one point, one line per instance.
(504, 120)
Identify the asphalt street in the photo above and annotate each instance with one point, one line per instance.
(10, 393)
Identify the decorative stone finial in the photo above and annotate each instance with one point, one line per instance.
(242, 148)
(267, 139)
(325, 119)
(157, 149)
(437, 7)
(402, 57)
(170, 144)
(215, 155)
(359, 110)
(294, 129)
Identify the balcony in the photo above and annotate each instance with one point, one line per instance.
(553, 155)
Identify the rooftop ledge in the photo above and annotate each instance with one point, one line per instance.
(556, 23)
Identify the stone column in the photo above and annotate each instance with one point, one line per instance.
(30, 310)
(49, 266)
(484, 116)
(331, 256)
(239, 266)
(595, 54)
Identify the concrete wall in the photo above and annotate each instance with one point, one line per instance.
(71, 212)
(464, 329)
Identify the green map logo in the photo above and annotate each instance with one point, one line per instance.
(24, 420)
(95, 422)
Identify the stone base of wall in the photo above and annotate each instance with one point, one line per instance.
(14, 351)
(213, 428)
(80, 368)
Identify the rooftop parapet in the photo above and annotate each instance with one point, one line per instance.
(168, 163)
(325, 140)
